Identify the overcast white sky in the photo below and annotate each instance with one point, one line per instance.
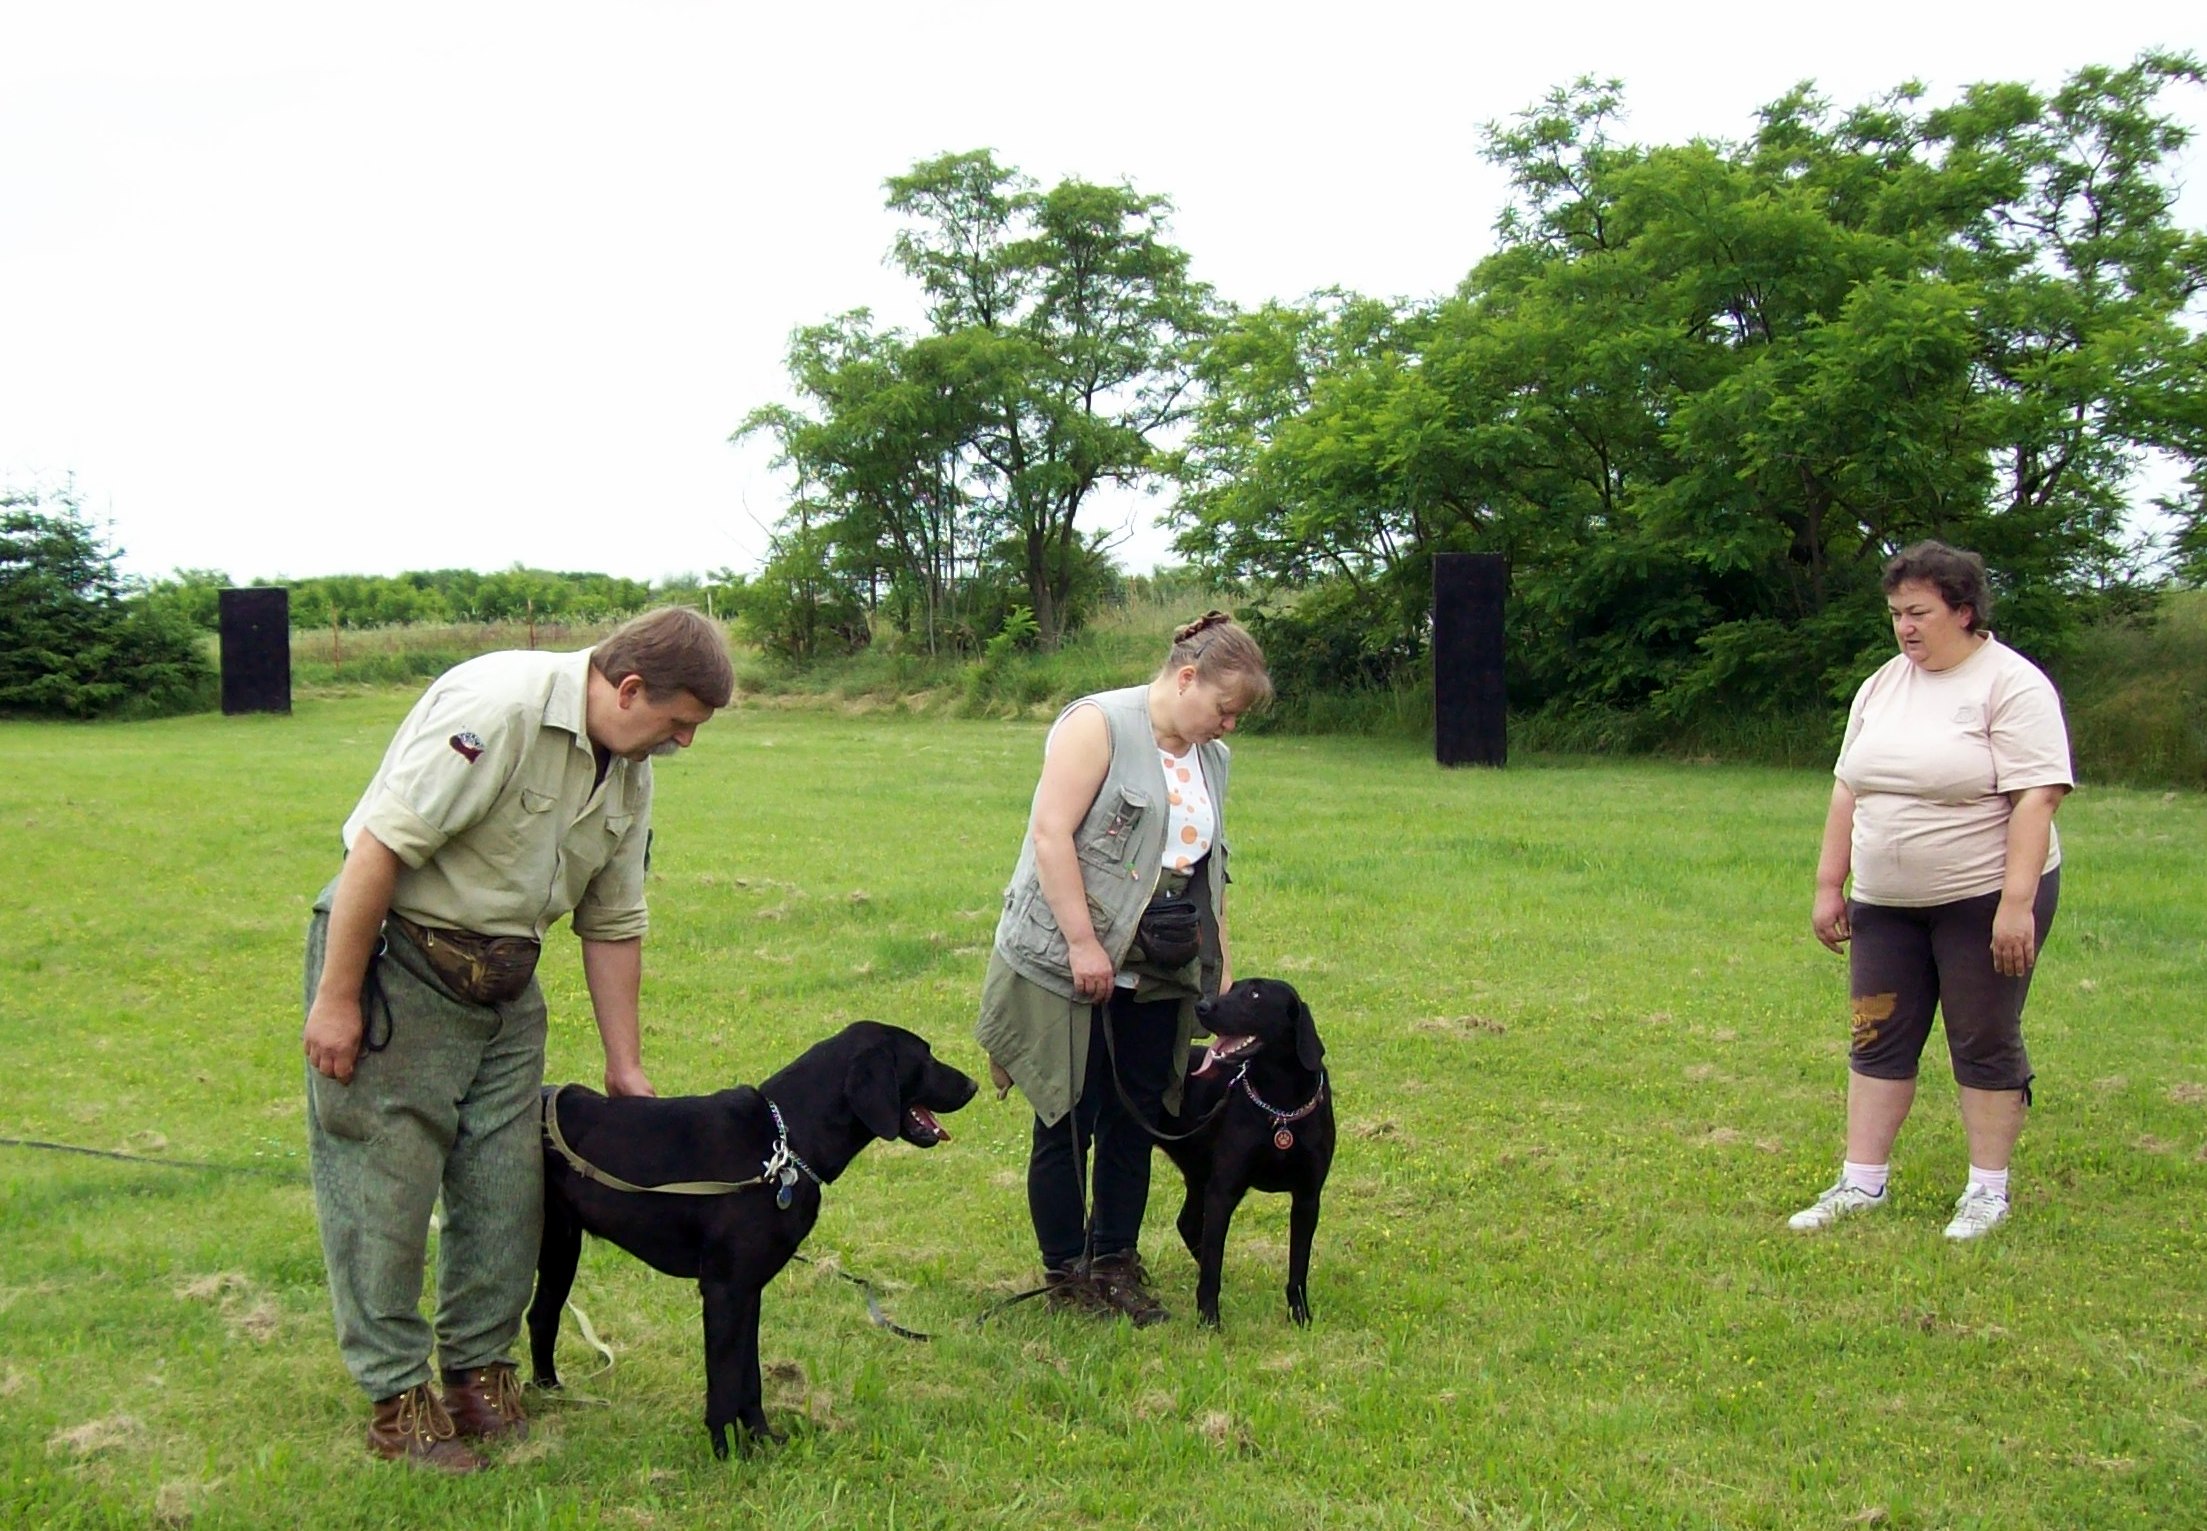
(307, 287)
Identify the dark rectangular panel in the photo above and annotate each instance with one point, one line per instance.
(256, 650)
(1470, 706)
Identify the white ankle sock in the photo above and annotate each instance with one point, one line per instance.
(1995, 1181)
(1866, 1177)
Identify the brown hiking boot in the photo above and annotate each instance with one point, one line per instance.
(485, 1403)
(413, 1427)
(1067, 1289)
(1123, 1284)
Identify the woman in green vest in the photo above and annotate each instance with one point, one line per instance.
(1113, 927)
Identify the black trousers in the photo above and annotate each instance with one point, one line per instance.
(1143, 1035)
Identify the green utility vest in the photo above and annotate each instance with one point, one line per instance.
(1120, 845)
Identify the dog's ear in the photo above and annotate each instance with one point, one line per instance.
(1308, 1049)
(871, 1088)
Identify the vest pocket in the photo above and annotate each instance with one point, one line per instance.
(1110, 830)
(1032, 930)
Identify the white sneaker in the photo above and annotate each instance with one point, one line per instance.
(1842, 1200)
(1977, 1212)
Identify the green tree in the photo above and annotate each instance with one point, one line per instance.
(1700, 391)
(72, 642)
(801, 604)
(885, 455)
(1062, 328)
(192, 594)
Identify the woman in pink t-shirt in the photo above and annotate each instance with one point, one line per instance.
(1955, 760)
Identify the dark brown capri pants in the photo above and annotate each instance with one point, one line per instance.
(1902, 964)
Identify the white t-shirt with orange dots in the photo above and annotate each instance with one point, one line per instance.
(1191, 822)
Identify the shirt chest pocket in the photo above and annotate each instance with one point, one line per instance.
(588, 846)
(523, 836)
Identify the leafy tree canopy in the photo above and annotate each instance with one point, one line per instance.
(938, 468)
(1701, 391)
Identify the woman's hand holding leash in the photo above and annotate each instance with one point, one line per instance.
(1093, 973)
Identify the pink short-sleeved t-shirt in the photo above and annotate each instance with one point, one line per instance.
(1931, 756)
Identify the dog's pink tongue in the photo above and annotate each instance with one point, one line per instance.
(1220, 1049)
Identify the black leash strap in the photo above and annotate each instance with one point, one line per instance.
(995, 1308)
(881, 1320)
(1111, 1049)
(373, 998)
(169, 1164)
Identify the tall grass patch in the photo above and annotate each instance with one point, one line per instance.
(2137, 695)
(323, 658)
(1586, 1057)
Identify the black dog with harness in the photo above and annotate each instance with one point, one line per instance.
(723, 1188)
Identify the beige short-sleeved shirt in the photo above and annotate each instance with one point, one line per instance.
(489, 796)
(1931, 756)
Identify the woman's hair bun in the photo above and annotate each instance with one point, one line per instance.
(1204, 623)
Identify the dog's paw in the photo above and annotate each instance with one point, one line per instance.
(1298, 1308)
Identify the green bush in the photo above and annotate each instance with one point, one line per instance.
(72, 642)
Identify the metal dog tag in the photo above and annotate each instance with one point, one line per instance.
(787, 1190)
(1283, 1139)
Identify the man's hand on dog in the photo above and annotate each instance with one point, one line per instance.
(630, 1080)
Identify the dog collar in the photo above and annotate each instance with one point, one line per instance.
(1281, 1137)
(783, 1163)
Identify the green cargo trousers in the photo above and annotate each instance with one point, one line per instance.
(448, 1105)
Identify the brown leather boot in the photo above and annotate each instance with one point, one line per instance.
(1123, 1284)
(485, 1403)
(413, 1427)
(1067, 1289)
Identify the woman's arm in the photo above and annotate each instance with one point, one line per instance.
(2030, 831)
(1072, 774)
(1828, 916)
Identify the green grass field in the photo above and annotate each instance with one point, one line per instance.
(1587, 1059)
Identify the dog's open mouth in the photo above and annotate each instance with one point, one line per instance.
(1226, 1050)
(921, 1127)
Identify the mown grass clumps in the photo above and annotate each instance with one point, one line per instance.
(1586, 1058)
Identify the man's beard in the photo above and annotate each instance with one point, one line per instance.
(662, 749)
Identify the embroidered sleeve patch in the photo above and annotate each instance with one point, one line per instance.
(467, 744)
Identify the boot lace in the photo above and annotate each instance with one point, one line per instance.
(501, 1391)
(421, 1414)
